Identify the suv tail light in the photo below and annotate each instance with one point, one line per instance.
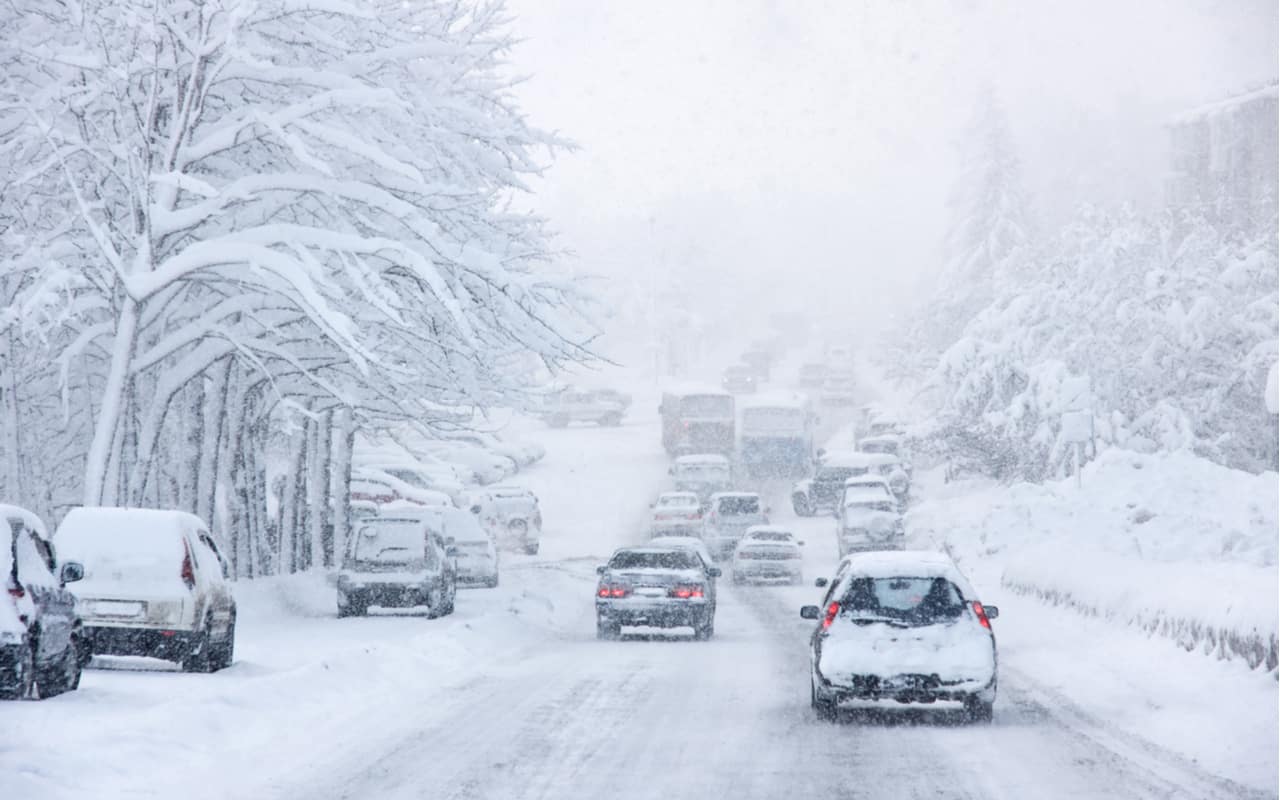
(612, 590)
(686, 592)
(16, 591)
(982, 615)
(832, 610)
(188, 569)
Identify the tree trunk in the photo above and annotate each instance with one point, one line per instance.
(192, 457)
(110, 413)
(12, 483)
(291, 501)
(341, 486)
(321, 463)
(210, 473)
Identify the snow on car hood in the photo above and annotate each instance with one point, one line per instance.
(959, 650)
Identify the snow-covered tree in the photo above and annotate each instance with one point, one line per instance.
(243, 213)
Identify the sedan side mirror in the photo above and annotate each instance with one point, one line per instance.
(991, 611)
(600, 569)
(475, 509)
(801, 542)
(72, 571)
(713, 572)
(809, 612)
(821, 583)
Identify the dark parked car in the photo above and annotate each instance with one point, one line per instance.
(397, 562)
(41, 638)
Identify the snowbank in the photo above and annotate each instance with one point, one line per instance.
(1170, 543)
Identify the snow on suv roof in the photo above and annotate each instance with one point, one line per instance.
(866, 480)
(719, 495)
(852, 459)
(906, 563)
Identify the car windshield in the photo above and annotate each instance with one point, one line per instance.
(888, 448)
(391, 541)
(839, 474)
(654, 559)
(702, 472)
(914, 601)
(706, 405)
(408, 476)
(472, 548)
(771, 537)
(677, 501)
(738, 505)
(856, 505)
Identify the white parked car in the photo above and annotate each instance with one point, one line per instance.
(767, 553)
(485, 467)
(602, 406)
(510, 515)
(477, 554)
(523, 454)
(155, 584)
(676, 512)
(903, 627)
(376, 485)
(477, 561)
(436, 478)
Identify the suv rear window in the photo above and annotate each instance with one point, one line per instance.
(392, 541)
(739, 506)
(914, 601)
(709, 405)
(676, 559)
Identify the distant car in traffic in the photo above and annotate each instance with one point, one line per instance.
(767, 553)
(601, 406)
(729, 515)
(41, 635)
(156, 584)
(660, 587)
(511, 516)
(811, 375)
(869, 520)
(396, 562)
(739, 379)
(903, 627)
(839, 388)
(702, 474)
(823, 491)
(676, 512)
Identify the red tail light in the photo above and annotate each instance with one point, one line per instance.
(832, 610)
(17, 592)
(982, 615)
(188, 569)
(607, 590)
(686, 592)
(694, 515)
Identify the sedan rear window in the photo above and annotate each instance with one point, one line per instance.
(915, 601)
(631, 559)
(739, 506)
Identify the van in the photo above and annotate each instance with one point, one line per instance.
(155, 583)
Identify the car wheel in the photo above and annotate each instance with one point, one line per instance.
(705, 629)
(451, 600)
(198, 658)
(531, 549)
(978, 711)
(492, 583)
(607, 629)
(24, 676)
(64, 676)
(800, 504)
(823, 707)
(223, 653)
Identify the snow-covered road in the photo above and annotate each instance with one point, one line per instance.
(513, 697)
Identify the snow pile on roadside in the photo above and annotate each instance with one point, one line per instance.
(1170, 543)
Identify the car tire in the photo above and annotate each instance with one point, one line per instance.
(531, 549)
(978, 711)
(451, 600)
(824, 708)
(607, 630)
(223, 653)
(198, 658)
(705, 629)
(492, 583)
(26, 669)
(64, 676)
(800, 504)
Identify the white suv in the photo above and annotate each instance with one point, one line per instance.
(155, 584)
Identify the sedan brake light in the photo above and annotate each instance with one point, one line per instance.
(612, 590)
(188, 572)
(17, 592)
(686, 592)
(982, 615)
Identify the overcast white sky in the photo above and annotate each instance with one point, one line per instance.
(806, 144)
